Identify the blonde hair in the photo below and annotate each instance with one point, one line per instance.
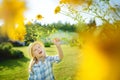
(33, 60)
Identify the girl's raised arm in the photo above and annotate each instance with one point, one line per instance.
(57, 43)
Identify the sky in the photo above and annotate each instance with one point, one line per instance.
(46, 9)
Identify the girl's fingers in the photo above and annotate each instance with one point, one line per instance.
(57, 39)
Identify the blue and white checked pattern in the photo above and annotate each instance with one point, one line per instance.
(43, 70)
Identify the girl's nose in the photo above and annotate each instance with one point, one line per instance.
(39, 50)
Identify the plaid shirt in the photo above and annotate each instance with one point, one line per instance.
(43, 70)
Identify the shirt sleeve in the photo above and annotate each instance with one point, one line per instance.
(31, 77)
(54, 59)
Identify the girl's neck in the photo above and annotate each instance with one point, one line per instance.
(41, 59)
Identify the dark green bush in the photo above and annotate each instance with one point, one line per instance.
(27, 43)
(17, 43)
(47, 44)
(6, 51)
(16, 54)
(5, 46)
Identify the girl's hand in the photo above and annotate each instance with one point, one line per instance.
(56, 41)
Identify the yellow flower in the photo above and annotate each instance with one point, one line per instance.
(76, 2)
(57, 9)
(29, 22)
(99, 45)
(39, 17)
(11, 11)
(21, 31)
(71, 1)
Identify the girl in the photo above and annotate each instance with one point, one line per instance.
(40, 67)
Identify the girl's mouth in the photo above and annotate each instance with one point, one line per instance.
(40, 52)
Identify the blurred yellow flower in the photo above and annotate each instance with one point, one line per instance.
(76, 2)
(39, 17)
(71, 1)
(29, 22)
(100, 53)
(11, 11)
(21, 31)
(57, 9)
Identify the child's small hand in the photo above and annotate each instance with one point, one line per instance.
(56, 41)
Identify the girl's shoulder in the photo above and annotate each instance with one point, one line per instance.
(48, 57)
(52, 58)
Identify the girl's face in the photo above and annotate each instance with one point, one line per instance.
(38, 51)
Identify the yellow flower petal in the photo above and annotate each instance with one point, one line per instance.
(57, 9)
(39, 17)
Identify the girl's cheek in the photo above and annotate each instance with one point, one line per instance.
(34, 53)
